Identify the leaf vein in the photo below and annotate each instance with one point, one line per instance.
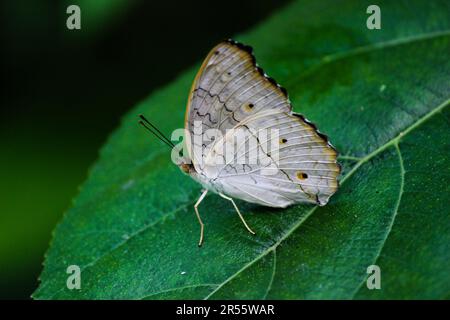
(179, 288)
(327, 59)
(394, 215)
(274, 268)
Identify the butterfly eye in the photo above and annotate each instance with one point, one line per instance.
(301, 175)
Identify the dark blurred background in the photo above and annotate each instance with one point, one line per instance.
(64, 91)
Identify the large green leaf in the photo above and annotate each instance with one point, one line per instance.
(381, 95)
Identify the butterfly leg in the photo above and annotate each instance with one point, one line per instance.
(198, 216)
(238, 212)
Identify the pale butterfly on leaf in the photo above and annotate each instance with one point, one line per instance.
(233, 97)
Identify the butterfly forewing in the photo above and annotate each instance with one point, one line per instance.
(228, 88)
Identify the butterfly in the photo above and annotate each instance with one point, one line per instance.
(233, 97)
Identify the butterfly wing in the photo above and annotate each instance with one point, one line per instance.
(231, 92)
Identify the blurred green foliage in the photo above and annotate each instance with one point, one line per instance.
(41, 163)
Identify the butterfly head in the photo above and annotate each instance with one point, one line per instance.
(186, 168)
(185, 165)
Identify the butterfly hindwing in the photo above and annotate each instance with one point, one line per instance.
(302, 167)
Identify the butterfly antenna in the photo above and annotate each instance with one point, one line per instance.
(161, 135)
(154, 133)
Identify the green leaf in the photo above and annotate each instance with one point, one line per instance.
(382, 96)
